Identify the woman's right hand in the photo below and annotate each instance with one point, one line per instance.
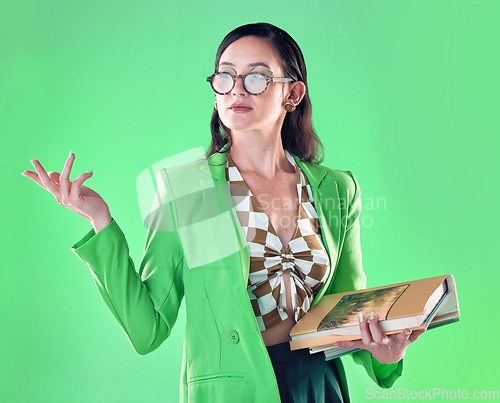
(73, 195)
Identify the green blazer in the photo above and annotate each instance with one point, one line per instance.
(195, 249)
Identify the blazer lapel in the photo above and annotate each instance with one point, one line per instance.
(327, 202)
(226, 222)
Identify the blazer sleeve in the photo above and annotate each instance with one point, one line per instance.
(145, 303)
(350, 271)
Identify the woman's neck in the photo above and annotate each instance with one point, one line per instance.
(259, 153)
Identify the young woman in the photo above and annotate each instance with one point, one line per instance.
(248, 271)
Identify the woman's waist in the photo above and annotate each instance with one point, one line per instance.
(279, 333)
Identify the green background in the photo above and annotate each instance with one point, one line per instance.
(404, 95)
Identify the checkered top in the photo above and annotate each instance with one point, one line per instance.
(305, 257)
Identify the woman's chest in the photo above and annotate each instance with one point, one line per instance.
(278, 199)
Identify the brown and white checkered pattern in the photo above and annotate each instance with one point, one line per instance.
(305, 257)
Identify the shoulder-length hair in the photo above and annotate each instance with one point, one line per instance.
(297, 133)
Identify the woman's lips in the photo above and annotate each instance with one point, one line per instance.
(240, 109)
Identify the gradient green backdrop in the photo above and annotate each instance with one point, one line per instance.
(404, 95)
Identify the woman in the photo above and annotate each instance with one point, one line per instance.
(244, 288)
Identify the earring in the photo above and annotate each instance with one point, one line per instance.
(289, 107)
(215, 105)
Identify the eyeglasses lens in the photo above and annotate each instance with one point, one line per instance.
(223, 82)
(254, 83)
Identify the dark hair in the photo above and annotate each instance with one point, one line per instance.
(297, 133)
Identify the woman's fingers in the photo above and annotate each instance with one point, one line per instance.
(54, 176)
(70, 194)
(365, 330)
(34, 176)
(76, 191)
(410, 335)
(57, 184)
(64, 182)
(47, 183)
(376, 331)
(403, 335)
(350, 343)
(415, 335)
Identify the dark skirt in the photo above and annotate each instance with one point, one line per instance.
(304, 377)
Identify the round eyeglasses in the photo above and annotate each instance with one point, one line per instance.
(254, 83)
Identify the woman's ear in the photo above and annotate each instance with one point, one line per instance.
(297, 92)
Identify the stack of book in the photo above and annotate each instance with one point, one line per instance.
(418, 304)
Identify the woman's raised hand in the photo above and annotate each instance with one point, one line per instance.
(73, 195)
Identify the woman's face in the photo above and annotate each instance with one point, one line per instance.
(264, 111)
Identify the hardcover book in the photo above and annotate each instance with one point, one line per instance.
(417, 304)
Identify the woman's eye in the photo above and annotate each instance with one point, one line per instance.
(227, 70)
(260, 73)
(258, 77)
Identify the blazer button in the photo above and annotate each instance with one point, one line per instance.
(234, 337)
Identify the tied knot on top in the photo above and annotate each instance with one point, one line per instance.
(287, 261)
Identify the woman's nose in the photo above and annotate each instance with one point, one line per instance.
(238, 88)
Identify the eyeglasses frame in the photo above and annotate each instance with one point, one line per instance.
(269, 80)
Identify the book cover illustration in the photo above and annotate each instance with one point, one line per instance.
(346, 311)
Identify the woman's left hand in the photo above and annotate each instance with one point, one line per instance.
(385, 349)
